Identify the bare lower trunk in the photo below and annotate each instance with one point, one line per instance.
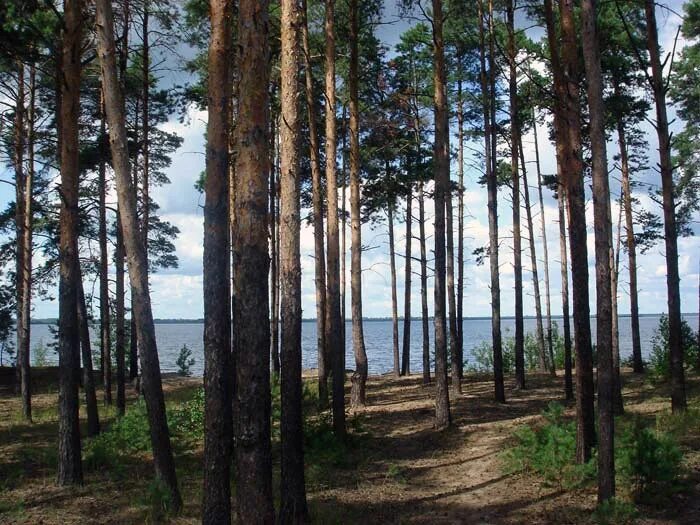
(274, 267)
(120, 328)
(618, 406)
(93, 418)
(424, 286)
(137, 257)
(251, 333)
(406, 350)
(394, 299)
(568, 379)
(460, 225)
(70, 470)
(105, 336)
(455, 359)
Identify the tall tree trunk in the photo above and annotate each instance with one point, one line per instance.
(394, 298)
(637, 363)
(218, 416)
(359, 377)
(618, 406)
(251, 335)
(515, 183)
(460, 223)
(545, 248)
(441, 153)
(145, 125)
(133, 335)
(424, 285)
(567, 126)
(70, 470)
(274, 256)
(137, 257)
(335, 334)
(317, 198)
(539, 330)
(93, 418)
(406, 350)
(568, 379)
(120, 328)
(293, 508)
(659, 89)
(488, 101)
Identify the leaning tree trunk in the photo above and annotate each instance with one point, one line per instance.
(424, 285)
(70, 470)
(93, 418)
(293, 507)
(659, 88)
(317, 200)
(136, 254)
(359, 377)
(406, 350)
(441, 169)
(394, 299)
(602, 224)
(218, 385)
(251, 334)
(334, 323)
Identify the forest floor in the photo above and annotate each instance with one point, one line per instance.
(395, 467)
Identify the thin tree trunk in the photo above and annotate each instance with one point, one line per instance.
(293, 508)
(343, 246)
(70, 470)
(460, 224)
(539, 331)
(359, 377)
(441, 153)
(618, 406)
(251, 335)
(406, 350)
(659, 88)
(568, 379)
(545, 248)
(93, 418)
(133, 335)
(218, 416)
(317, 198)
(394, 298)
(137, 257)
(274, 256)
(335, 323)
(603, 252)
(145, 104)
(424, 285)
(120, 329)
(515, 183)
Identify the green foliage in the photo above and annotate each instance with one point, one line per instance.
(187, 420)
(659, 359)
(615, 512)
(549, 451)
(185, 361)
(648, 461)
(40, 352)
(156, 499)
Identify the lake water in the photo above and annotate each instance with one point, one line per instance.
(378, 340)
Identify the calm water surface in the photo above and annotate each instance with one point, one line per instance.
(378, 340)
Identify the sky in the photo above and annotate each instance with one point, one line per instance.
(177, 293)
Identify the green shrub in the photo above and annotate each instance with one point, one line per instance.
(185, 362)
(41, 354)
(549, 451)
(187, 420)
(647, 461)
(156, 499)
(615, 512)
(659, 359)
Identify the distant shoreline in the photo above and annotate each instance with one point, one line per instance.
(366, 319)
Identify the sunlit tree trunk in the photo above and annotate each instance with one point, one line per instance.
(93, 418)
(406, 350)
(394, 298)
(618, 406)
(568, 373)
(460, 223)
(424, 285)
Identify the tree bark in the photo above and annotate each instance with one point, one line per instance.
(394, 298)
(460, 223)
(618, 405)
(70, 470)
(659, 89)
(359, 377)
(568, 373)
(120, 328)
(441, 169)
(406, 350)
(218, 416)
(334, 323)
(424, 285)
(274, 256)
(251, 334)
(93, 418)
(136, 254)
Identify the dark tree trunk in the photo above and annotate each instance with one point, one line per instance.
(69, 461)
(602, 223)
(274, 258)
(137, 257)
(120, 328)
(145, 125)
(568, 373)
(406, 350)
(359, 377)
(394, 298)
(460, 223)
(251, 333)
(441, 153)
(93, 418)
(618, 405)
(424, 286)
(218, 416)
(659, 89)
